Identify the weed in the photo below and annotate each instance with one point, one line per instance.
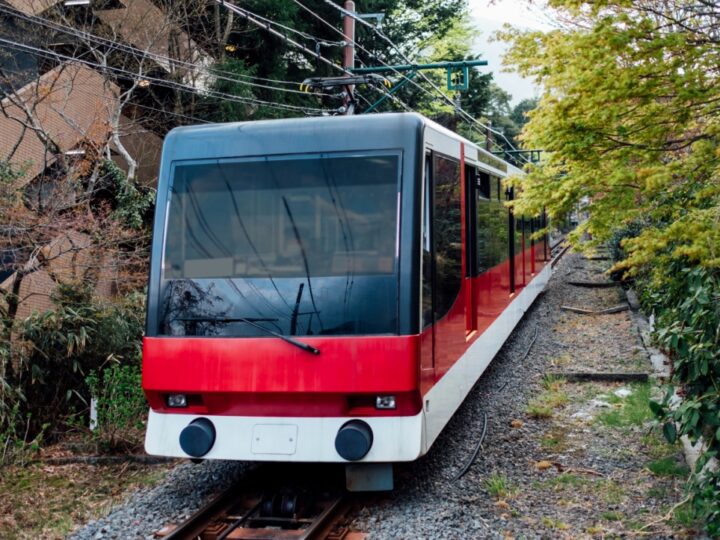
(553, 383)
(551, 442)
(611, 516)
(560, 361)
(685, 515)
(668, 467)
(498, 486)
(552, 523)
(655, 445)
(613, 493)
(657, 492)
(552, 397)
(569, 479)
(539, 410)
(629, 412)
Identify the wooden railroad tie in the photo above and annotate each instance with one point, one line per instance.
(602, 377)
(594, 284)
(607, 311)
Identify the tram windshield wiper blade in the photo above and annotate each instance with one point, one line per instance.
(253, 322)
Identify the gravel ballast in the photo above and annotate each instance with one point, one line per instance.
(559, 460)
(181, 493)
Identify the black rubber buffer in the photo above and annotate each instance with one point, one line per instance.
(198, 437)
(354, 440)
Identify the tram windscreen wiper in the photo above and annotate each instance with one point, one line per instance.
(253, 322)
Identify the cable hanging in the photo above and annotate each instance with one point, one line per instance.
(160, 82)
(159, 58)
(447, 99)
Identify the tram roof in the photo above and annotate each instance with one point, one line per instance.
(298, 135)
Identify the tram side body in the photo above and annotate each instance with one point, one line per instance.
(263, 399)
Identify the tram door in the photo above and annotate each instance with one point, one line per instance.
(443, 327)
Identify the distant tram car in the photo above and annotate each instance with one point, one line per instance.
(327, 289)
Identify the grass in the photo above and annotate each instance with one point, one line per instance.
(611, 516)
(498, 486)
(552, 523)
(612, 492)
(685, 517)
(668, 466)
(629, 412)
(561, 361)
(41, 501)
(565, 483)
(657, 492)
(553, 396)
(555, 439)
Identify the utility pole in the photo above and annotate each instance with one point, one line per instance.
(349, 53)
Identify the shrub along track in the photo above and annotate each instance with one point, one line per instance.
(559, 459)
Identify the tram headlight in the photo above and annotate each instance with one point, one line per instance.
(385, 402)
(177, 400)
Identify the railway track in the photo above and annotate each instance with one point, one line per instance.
(262, 508)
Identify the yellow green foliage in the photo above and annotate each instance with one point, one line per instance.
(629, 120)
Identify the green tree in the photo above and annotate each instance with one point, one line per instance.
(630, 122)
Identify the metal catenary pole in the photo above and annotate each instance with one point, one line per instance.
(349, 52)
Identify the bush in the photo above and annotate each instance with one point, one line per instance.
(686, 303)
(62, 346)
(121, 405)
(15, 445)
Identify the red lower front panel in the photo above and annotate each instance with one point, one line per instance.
(269, 377)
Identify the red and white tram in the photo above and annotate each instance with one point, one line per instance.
(327, 289)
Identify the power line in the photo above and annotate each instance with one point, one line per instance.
(459, 109)
(164, 111)
(159, 58)
(249, 16)
(162, 82)
(354, 43)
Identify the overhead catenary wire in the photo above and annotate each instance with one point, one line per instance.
(354, 43)
(85, 91)
(446, 98)
(146, 54)
(258, 20)
(249, 16)
(266, 24)
(161, 82)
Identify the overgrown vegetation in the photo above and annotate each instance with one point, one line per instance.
(120, 403)
(67, 355)
(553, 396)
(629, 412)
(631, 128)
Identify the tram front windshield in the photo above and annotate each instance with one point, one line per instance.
(299, 245)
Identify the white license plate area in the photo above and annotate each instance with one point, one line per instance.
(277, 439)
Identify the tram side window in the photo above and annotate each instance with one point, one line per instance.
(519, 233)
(447, 238)
(492, 225)
(483, 186)
(427, 291)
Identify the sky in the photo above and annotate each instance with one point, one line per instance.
(489, 17)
